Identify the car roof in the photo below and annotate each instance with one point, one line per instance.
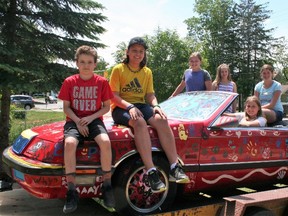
(20, 95)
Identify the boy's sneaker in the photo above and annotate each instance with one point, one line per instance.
(108, 196)
(157, 186)
(177, 175)
(71, 201)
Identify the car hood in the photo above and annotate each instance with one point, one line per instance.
(54, 131)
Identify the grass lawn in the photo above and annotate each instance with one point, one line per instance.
(31, 119)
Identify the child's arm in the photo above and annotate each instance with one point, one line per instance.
(179, 88)
(69, 112)
(133, 111)
(245, 123)
(259, 122)
(83, 129)
(88, 119)
(119, 102)
(229, 114)
(214, 86)
(208, 85)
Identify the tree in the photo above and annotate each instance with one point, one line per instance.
(255, 42)
(212, 29)
(281, 57)
(168, 56)
(120, 53)
(234, 34)
(37, 38)
(101, 64)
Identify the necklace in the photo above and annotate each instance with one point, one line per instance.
(133, 71)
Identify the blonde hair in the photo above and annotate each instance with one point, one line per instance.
(268, 67)
(218, 73)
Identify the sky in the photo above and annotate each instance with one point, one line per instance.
(130, 18)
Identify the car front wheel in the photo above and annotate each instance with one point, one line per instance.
(132, 190)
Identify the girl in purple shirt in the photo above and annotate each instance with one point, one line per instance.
(194, 78)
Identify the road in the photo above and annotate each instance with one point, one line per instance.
(41, 105)
(18, 202)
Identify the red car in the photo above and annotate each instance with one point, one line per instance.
(214, 151)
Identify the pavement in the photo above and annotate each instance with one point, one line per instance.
(18, 202)
(41, 105)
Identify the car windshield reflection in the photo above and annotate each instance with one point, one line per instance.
(193, 106)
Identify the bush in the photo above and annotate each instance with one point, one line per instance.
(16, 113)
(19, 114)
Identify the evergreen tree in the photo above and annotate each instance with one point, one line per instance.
(37, 37)
(254, 42)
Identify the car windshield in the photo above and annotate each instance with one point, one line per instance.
(194, 106)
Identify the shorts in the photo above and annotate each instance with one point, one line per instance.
(122, 116)
(96, 127)
(279, 115)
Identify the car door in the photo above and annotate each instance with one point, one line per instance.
(243, 155)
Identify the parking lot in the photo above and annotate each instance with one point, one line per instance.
(41, 105)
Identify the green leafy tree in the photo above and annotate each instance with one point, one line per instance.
(101, 64)
(120, 53)
(168, 56)
(234, 34)
(212, 29)
(37, 38)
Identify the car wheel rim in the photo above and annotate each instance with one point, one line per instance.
(139, 195)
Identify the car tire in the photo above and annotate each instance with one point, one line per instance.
(27, 107)
(132, 192)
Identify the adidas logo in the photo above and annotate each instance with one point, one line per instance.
(133, 86)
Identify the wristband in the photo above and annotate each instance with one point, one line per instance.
(157, 105)
(130, 107)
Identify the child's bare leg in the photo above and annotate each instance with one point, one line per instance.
(70, 147)
(106, 160)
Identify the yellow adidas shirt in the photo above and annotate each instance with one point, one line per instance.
(132, 86)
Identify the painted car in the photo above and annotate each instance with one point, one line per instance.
(213, 150)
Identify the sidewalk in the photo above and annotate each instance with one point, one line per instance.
(20, 203)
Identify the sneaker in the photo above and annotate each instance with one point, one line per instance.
(157, 186)
(71, 201)
(108, 196)
(177, 175)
